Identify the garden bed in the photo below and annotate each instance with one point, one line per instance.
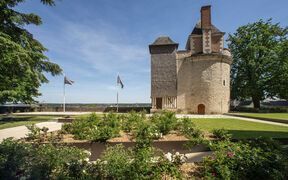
(98, 148)
(172, 142)
(135, 147)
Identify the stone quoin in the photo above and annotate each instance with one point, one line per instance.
(195, 80)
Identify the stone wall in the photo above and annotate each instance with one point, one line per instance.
(204, 79)
(92, 109)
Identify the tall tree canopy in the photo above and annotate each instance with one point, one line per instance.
(260, 67)
(22, 61)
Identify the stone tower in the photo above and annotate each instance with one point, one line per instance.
(163, 73)
(195, 80)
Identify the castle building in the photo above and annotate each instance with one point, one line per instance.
(195, 80)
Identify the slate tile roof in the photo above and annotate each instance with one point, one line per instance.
(198, 30)
(164, 40)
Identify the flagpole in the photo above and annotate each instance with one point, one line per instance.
(117, 100)
(64, 95)
(117, 92)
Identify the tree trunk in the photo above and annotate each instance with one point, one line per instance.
(256, 102)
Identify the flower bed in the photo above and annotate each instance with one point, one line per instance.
(134, 147)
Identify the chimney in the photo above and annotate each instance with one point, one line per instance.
(206, 17)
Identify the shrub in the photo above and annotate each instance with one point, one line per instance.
(187, 127)
(143, 134)
(34, 132)
(101, 134)
(14, 158)
(246, 161)
(189, 130)
(165, 122)
(221, 133)
(43, 161)
(139, 163)
(66, 127)
(41, 134)
(131, 119)
(112, 121)
(53, 161)
(116, 162)
(80, 128)
(93, 128)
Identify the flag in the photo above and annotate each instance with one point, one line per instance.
(67, 81)
(120, 82)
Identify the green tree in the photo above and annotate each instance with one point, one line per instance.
(22, 59)
(260, 67)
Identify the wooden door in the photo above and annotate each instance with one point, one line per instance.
(158, 103)
(201, 109)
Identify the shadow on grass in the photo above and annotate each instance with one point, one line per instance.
(5, 120)
(260, 118)
(244, 134)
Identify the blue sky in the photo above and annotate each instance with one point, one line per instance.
(93, 40)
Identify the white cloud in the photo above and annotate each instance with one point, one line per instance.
(96, 49)
(104, 48)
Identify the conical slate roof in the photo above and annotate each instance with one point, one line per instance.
(164, 40)
(198, 30)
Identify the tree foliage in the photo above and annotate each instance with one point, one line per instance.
(260, 67)
(22, 59)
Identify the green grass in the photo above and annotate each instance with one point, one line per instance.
(242, 129)
(280, 116)
(86, 115)
(14, 121)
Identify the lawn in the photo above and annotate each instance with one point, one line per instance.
(86, 115)
(280, 116)
(14, 121)
(242, 129)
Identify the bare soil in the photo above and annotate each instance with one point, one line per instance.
(191, 171)
(128, 137)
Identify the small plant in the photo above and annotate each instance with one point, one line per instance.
(93, 128)
(19, 160)
(116, 162)
(101, 134)
(165, 122)
(131, 119)
(14, 157)
(189, 130)
(143, 134)
(34, 132)
(41, 134)
(245, 161)
(111, 120)
(221, 133)
(187, 127)
(66, 128)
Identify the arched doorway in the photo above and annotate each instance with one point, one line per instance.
(201, 109)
